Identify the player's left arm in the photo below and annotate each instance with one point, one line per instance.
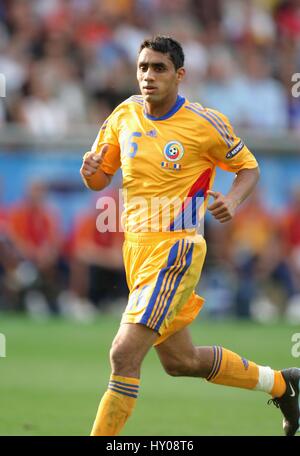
(224, 206)
(231, 154)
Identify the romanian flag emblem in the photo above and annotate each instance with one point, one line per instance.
(168, 165)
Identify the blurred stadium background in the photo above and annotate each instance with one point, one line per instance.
(67, 64)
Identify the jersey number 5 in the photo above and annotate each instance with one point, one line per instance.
(131, 147)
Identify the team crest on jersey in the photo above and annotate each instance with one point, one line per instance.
(173, 151)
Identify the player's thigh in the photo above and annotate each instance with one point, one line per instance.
(133, 340)
(176, 349)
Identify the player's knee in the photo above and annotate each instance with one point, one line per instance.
(122, 360)
(118, 357)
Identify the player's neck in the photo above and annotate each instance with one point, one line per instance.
(162, 108)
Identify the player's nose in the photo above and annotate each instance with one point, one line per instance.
(149, 75)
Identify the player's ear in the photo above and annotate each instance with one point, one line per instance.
(180, 74)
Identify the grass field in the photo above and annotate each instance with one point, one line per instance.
(55, 372)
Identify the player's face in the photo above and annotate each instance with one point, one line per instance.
(157, 77)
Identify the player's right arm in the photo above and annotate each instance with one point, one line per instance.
(92, 175)
(100, 164)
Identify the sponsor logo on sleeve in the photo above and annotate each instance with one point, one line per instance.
(235, 150)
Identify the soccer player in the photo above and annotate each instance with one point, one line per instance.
(169, 147)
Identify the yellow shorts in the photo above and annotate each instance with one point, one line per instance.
(162, 271)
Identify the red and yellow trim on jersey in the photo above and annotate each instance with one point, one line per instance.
(188, 216)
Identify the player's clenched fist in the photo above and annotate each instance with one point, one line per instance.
(223, 208)
(92, 161)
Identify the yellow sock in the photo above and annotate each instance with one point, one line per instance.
(279, 386)
(232, 370)
(116, 405)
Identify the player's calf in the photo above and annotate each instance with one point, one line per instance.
(197, 363)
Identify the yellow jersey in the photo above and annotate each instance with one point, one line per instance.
(169, 162)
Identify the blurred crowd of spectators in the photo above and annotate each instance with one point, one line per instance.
(44, 270)
(252, 268)
(253, 263)
(69, 62)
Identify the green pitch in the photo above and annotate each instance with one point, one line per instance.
(55, 372)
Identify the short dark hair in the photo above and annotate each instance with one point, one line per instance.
(166, 45)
